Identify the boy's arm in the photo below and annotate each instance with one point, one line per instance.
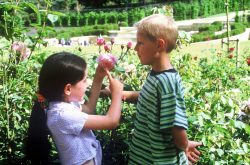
(129, 96)
(181, 141)
(180, 137)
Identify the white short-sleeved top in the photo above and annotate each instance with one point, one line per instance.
(75, 144)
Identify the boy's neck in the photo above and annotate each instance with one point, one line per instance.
(162, 63)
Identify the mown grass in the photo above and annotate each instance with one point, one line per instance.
(207, 49)
(201, 49)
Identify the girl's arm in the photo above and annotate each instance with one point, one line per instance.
(90, 106)
(112, 118)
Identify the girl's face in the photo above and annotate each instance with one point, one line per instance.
(77, 91)
(146, 49)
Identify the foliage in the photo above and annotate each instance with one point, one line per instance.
(18, 68)
(215, 91)
(81, 15)
(208, 32)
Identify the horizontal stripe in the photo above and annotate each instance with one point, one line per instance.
(150, 145)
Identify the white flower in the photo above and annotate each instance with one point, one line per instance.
(130, 68)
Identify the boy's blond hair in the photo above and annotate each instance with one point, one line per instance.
(159, 26)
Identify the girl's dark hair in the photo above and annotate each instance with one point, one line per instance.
(58, 70)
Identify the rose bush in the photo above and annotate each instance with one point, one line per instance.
(216, 93)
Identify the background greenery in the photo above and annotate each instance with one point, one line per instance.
(215, 92)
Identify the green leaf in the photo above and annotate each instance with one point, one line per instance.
(239, 124)
(230, 102)
(17, 115)
(52, 18)
(120, 69)
(245, 147)
(57, 13)
(220, 152)
(223, 100)
(32, 6)
(247, 129)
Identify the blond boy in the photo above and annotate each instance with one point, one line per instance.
(160, 134)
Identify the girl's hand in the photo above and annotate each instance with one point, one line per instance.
(192, 153)
(100, 71)
(116, 87)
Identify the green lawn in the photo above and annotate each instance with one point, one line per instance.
(204, 49)
(200, 50)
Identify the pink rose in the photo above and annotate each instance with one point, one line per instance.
(100, 41)
(106, 48)
(107, 61)
(21, 48)
(129, 45)
(25, 54)
(18, 46)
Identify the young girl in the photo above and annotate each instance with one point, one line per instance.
(62, 83)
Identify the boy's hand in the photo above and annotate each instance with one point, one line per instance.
(192, 153)
(104, 93)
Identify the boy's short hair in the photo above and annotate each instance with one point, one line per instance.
(159, 26)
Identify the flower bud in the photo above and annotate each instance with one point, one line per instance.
(107, 48)
(112, 41)
(129, 45)
(100, 41)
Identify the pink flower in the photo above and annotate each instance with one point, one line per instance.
(18, 46)
(100, 41)
(129, 45)
(25, 54)
(21, 48)
(106, 48)
(107, 61)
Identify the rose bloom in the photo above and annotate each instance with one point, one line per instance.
(106, 48)
(130, 68)
(21, 48)
(107, 61)
(129, 45)
(18, 46)
(100, 41)
(25, 53)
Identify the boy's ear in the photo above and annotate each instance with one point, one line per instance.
(160, 43)
(67, 89)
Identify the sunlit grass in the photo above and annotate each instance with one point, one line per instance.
(206, 49)
(202, 49)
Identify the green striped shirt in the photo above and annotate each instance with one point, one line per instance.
(160, 107)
